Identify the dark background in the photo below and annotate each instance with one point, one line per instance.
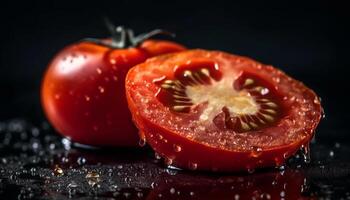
(307, 39)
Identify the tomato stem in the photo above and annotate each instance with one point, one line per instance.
(123, 37)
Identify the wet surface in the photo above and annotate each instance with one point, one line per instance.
(36, 164)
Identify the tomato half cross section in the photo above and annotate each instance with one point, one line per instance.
(210, 110)
(83, 90)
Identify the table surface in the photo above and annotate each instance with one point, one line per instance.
(36, 163)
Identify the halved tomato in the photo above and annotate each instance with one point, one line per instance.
(211, 110)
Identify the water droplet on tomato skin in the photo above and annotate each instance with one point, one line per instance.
(256, 152)
(177, 148)
(101, 89)
(113, 61)
(192, 165)
(168, 161)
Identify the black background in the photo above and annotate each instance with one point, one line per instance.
(307, 39)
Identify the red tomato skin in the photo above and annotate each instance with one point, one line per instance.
(197, 156)
(83, 94)
(159, 47)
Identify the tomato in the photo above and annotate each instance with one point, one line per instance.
(83, 92)
(209, 110)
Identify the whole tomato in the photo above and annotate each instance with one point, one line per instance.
(83, 91)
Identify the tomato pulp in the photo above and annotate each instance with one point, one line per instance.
(211, 110)
(83, 91)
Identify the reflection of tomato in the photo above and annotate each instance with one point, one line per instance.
(270, 185)
(211, 110)
(83, 88)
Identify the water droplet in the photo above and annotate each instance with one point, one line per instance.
(99, 71)
(192, 165)
(35, 132)
(81, 161)
(67, 144)
(264, 91)
(192, 193)
(139, 194)
(142, 141)
(113, 61)
(305, 150)
(171, 172)
(177, 148)
(72, 188)
(154, 185)
(87, 98)
(35, 145)
(168, 161)
(282, 167)
(331, 153)
(172, 190)
(256, 152)
(250, 170)
(236, 196)
(4, 160)
(265, 196)
(337, 145)
(127, 195)
(93, 178)
(157, 156)
(58, 171)
(52, 146)
(65, 160)
(101, 89)
(274, 182)
(283, 194)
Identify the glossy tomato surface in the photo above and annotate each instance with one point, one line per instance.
(210, 110)
(83, 92)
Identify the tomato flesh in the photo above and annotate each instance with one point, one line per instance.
(211, 110)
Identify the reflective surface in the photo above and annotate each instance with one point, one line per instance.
(36, 164)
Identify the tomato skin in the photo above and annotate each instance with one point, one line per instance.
(186, 153)
(195, 155)
(159, 47)
(83, 93)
